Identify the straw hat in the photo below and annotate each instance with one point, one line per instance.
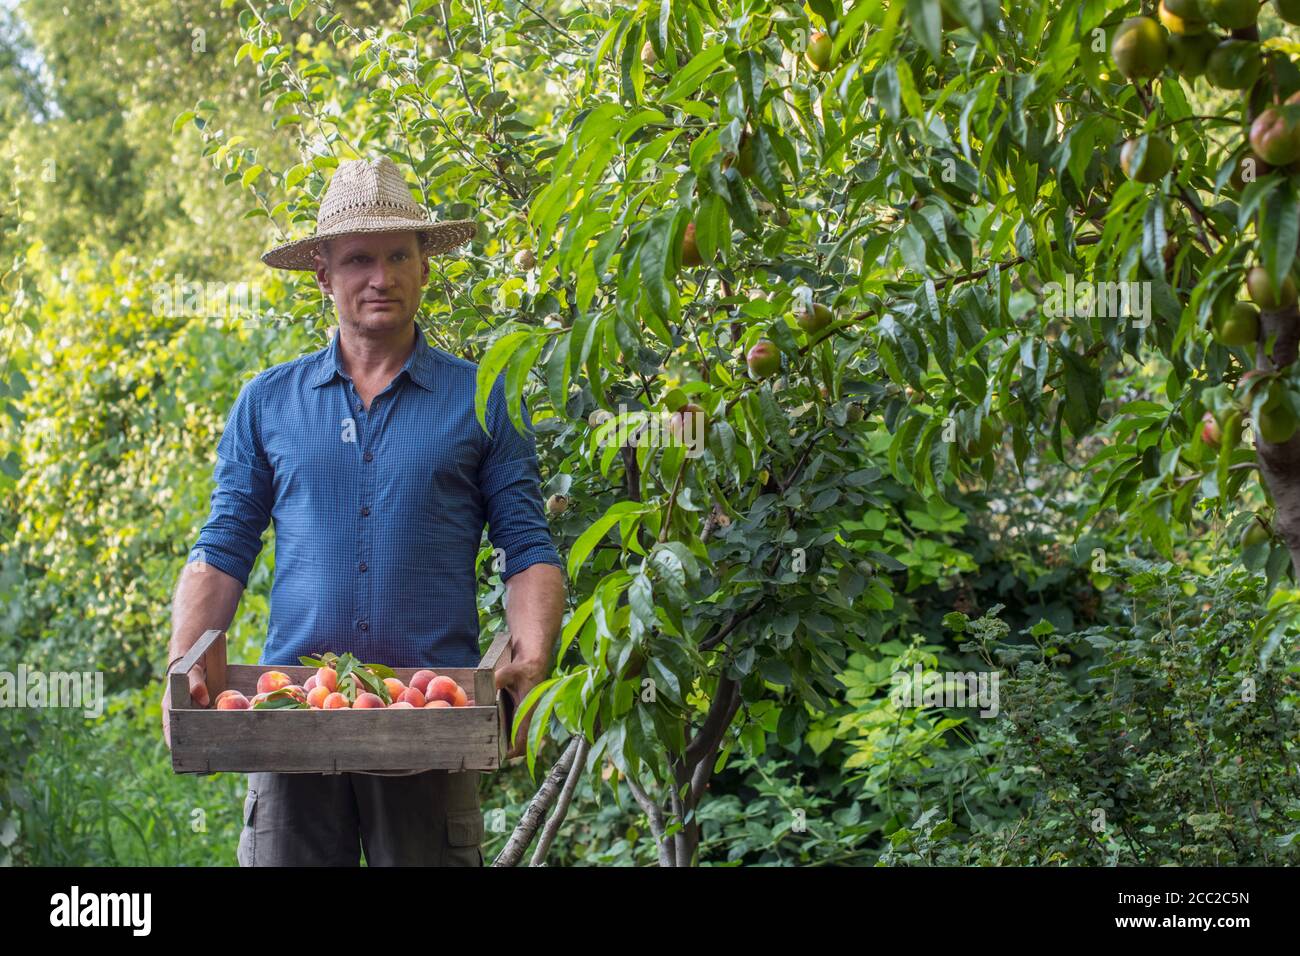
(370, 196)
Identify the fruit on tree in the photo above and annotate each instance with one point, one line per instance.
(1158, 160)
(557, 504)
(1265, 295)
(1288, 10)
(1232, 14)
(764, 359)
(813, 320)
(818, 54)
(689, 425)
(1273, 139)
(1256, 533)
(1188, 55)
(525, 260)
(690, 251)
(1233, 65)
(1277, 422)
(1211, 434)
(745, 155)
(1246, 170)
(1239, 325)
(1140, 48)
(648, 55)
(1183, 17)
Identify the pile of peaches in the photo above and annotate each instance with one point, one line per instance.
(350, 686)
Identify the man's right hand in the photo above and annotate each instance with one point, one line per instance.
(198, 694)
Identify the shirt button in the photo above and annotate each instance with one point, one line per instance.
(361, 566)
(368, 456)
(364, 625)
(360, 407)
(365, 512)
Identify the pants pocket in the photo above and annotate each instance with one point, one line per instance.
(464, 835)
(246, 855)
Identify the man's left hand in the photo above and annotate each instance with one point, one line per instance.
(518, 678)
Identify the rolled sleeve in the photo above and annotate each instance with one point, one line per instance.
(510, 481)
(231, 539)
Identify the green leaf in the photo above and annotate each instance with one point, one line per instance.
(491, 367)
(591, 537)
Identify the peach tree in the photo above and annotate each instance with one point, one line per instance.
(860, 257)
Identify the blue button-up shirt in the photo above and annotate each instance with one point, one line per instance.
(379, 513)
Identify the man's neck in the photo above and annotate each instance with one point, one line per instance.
(373, 357)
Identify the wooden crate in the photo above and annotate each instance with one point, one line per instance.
(206, 740)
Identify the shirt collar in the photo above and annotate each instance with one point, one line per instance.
(418, 366)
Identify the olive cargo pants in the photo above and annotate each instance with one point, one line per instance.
(314, 819)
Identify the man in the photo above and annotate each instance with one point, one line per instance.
(369, 458)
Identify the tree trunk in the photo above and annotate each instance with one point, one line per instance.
(1279, 465)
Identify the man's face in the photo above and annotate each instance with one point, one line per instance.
(376, 278)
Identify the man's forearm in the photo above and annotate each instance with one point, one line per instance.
(534, 610)
(204, 599)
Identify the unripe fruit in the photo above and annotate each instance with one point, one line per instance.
(1254, 534)
(818, 54)
(1273, 139)
(1247, 170)
(855, 413)
(1232, 14)
(1288, 10)
(1139, 48)
(764, 359)
(1182, 17)
(1263, 293)
(1210, 431)
(690, 251)
(1188, 55)
(648, 55)
(815, 319)
(557, 505)
(1233, 65)
(525, 260)
(1277, 423)
(1238, 326)
(1158, 160)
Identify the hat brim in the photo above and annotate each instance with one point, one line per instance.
(439, 237)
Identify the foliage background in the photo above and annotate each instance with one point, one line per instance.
(206, 133)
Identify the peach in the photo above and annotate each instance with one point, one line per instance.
(443, 688)
(402, 703)
(420, 681)
(230, 692)
(232, 700)
(328, 677)
(258, 699)
(297, 693)
(335, 701)
(395, 687)
(272, 681)
(437, 703)
(368, 701)
(316, 696)
(412, 697)
(459, 699)
(310, 683)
